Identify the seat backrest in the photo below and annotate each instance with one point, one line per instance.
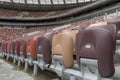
(3, 46)
(23, 47)
(117, 23)
(39, 49)
(44, 44)
(8, 46)
(110, 27)
(97, 43)
(31, 47)
(97, 24)
(64, 44)
(12, 47)
(17, 47)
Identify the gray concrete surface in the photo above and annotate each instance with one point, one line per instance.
(8, 73)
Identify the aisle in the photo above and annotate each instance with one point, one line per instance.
(10, 71)
(7, 72)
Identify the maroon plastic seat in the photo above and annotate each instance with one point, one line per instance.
(111, 28)
(23, 47)
(12, 47)
(117, 23)
(3, 46)
(6, 43)
(97, 44)
(38, 46)
(17, 47)
(44, 45)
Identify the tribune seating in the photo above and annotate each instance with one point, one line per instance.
(91, 48)
(12, 48)
(31, 51)
(43, 49)
(95, 48)
(17, 50)
(23, 47)
(117, 23)
(63, 48)
(8, 49)
(3, 48)
(23, 53)
(108, 27)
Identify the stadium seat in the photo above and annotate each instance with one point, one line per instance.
(31, 51)
(23, 53)
(17, 50)
(43, 49)
(95, 48)
(108, 27)
(3, 51)
(117, 23)
(12, 49)
(63, 48)
(8, 49)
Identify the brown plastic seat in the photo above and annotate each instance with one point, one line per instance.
(98, 44)
(23, 47)
(64, 44)
(31, 47)
(8, 46)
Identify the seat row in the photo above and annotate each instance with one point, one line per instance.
(73, 54)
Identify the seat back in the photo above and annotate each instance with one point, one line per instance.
(39, 49)
(31, 47)
(12, 47)
(64, 44)
(117, 23)
(17, 47)
(3, 46)
(110, 27)
(44, 44)
(23, 47)
(97, 44)
(8, 46)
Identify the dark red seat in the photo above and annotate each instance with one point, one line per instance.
(38, 45)
(98, 44)
(44, 45)
(31, 47)
(23, 47)
(117, 23)
(3, 46)
(111, 28)
(12, 47)
(17, 47)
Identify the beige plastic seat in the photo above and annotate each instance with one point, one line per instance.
(64, 44)
(97, 24)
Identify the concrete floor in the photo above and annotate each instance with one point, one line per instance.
(9, 71)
